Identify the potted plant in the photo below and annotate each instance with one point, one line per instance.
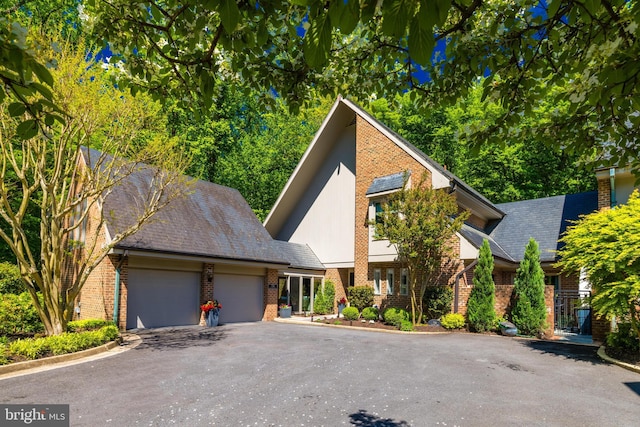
(284, 310)
(211, 312)
(342, 303)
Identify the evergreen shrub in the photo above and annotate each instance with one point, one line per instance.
(370, 313)
(360, 297)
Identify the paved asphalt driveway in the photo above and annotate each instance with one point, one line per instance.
(269, 374)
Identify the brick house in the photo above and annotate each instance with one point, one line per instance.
(208, 244)
(353, 163)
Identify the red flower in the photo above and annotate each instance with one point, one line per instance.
(210, 305)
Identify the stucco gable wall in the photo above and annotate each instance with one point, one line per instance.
(323, 216)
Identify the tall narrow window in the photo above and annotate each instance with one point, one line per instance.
(377, 274)
(389, 281)
(404, 282)
(379, 212)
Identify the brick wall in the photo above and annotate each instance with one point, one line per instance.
(376, 156)
(340, 279)
(270, 295)
(604, 193)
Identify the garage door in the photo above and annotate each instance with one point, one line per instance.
(240, 296)
(157, 298)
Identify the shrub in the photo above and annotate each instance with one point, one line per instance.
(351, 313)
(87, 324)
(323, 303)
(480, 308)
(361, 297)
(406, 326)
(370, 313)
(4, 359)
(437, 301)
(529, 312)
(18, 315)
(34, 348)
(624, 339)
(395, 316)
(452, 321)
(10, 280)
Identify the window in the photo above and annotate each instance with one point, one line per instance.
(376, 281)
(351, 278)
(389, 281)
(404, 282)
(379, 211)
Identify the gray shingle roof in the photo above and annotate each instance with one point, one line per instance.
(544, 219)
(211, 221)
(387, 183)
(299, 255)
(476, 237)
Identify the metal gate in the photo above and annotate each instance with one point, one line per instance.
(572, 312)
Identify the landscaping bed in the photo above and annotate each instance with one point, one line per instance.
(378, 325)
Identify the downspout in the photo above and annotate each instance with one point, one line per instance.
(612, 184)
(116, 291)
(457, 285)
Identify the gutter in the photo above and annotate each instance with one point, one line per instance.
(612, 190)
(116, 291)
(457, 285)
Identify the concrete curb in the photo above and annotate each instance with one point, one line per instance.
(63, 358)
(602, 355)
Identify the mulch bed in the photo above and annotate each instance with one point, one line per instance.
(379, 325)
(633, 358)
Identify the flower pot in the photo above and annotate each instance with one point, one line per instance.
(340, 308)
(285, 312)
(212, 317)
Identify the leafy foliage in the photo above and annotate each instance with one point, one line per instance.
(421, 224)
(452, 321)
(370, 313)
(583, 57)
(323, 303)
(351, 313)
(42, 167)
(34, 348)
(624, 338)
(605, 244)
(360, 297)
(406, 326)
(18, 315)
(10, 281)
(481, 312)
(437, 301)
(528, 311)
(395, 316)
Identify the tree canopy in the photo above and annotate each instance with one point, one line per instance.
(43, 170)
(585, 54)
(605, 244)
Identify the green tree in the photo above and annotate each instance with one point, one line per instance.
(421, 224)
(264, 157)
(585, 54)
(605, 244)
(528, 311)
(46, 168)
(481, 313)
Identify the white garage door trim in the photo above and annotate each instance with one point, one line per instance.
(241, 297)
(157, 298)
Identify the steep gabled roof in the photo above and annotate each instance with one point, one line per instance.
(210, 221)
(341, 114)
